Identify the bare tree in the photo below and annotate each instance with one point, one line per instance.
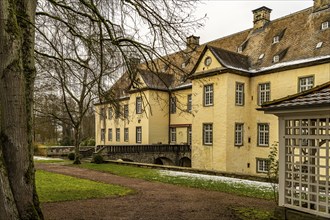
(117, 26)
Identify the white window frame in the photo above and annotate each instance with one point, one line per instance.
(263, 93)
(263, 134)
(276, 39)
(126, 111)
(262, 165)
(276, 58)
(110, 113)
(138, 134)
(239, 94)
(208, 95)
(110, 134)
(189, 103)
(173, 105)
(325, 25)
(189, 135)
(138, 105)
(102, 134)
(117, 134)
(173, 135)
(239, 134)
(126, 134)
(305, 83)
(207, 133)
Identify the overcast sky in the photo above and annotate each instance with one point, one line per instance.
(225, 17)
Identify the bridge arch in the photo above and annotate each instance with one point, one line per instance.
(164, 161)
(185, 162)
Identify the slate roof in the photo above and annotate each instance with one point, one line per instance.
(316, 97)
(299, 33)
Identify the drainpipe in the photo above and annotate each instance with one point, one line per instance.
(169, 117)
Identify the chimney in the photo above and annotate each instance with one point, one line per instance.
(192, 42)
(261, 16)
(320, 5)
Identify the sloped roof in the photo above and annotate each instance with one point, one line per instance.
(315, 97)
(299, 34)
(160, 81)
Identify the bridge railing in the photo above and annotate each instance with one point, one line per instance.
(111, 149)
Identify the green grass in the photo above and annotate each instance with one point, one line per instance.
(51, 161)
(53, 187)
(251, 213)
(154, 175)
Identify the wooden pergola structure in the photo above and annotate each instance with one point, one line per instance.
(304, 150)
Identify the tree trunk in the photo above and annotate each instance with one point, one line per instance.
(76, 145)
(18, 197)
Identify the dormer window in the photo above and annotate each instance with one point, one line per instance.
(325, 25)
(242, 46)
(319, 45)
(208, 61)
(276, 59)
(183, 65)
(240, 49)
(261, 56)
(279, 56)
(276, 39)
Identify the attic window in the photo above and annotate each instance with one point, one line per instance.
(319, 45)
(325, 25)
(240, 49)
(261, 56)
(278, 36)
(276, 58)
(276, 39)
(242, 46)
(208, 61)
(279, 56)
(183, 65)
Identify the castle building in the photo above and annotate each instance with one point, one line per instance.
(211, 103)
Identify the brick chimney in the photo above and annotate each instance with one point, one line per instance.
(320, 5)
(261, 16)
(192, 42)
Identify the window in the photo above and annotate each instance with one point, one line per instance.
(276, 58)
(125, 111)
(239, 96)
(102, 114)
(189, 134)
(173, 105)
(117, 134)
(110, 113)
(189, 103)
(263, 134)
(262, 165)
(264, 93)
(102, 134)
(138, 134)
(325, 25)
(261, 56)
(207, 61)
(239, 134)
(319, 45)
(110, 134)
(138, 105)
(117, 112)
(208, 95)
(126, 134)
(207, 134)
(306, 83)
(240, 49)
(173, 135)
(276, 39)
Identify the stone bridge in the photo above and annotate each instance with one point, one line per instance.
(175, 155)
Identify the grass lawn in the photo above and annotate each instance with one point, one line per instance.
(154, 175)
(53, 187)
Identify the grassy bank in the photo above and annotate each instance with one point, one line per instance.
(53, 187)
(155, 175)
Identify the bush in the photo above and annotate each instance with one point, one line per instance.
(98, 159)
(71, 156)
(91, 142)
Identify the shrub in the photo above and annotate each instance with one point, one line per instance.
(91, 142)
(71, 156)
(98, 159)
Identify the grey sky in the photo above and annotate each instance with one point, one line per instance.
(227, 17)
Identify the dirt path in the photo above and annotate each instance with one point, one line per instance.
(156, 201)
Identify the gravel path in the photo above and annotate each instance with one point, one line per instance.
(153, 200)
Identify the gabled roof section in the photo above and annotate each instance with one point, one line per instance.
(151, 80)
(231, 59)
(318, 96)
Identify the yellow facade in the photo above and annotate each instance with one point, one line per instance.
(229, 134)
